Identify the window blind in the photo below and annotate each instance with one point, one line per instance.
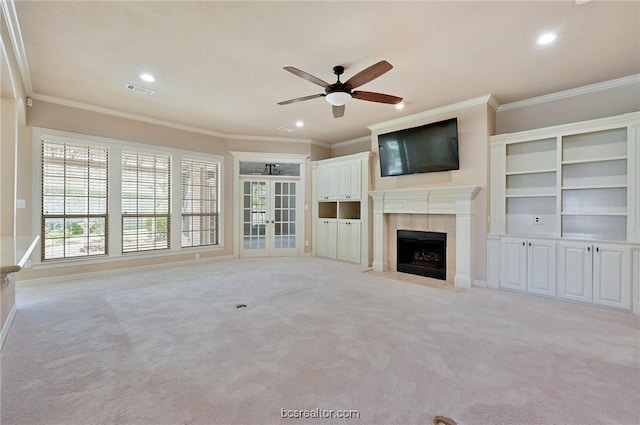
(146, 194)
(74, 200)
(200, 202)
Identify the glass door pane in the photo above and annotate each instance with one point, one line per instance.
(254, 214)
(284, 212)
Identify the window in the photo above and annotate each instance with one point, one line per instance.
(97, 199)
(74, 200)
(146, 195)
(200, 195)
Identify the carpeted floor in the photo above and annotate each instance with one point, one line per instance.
(170, 347)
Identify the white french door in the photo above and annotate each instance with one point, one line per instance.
(269, 208)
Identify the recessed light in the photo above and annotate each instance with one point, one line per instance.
(399, 105)
(547, 38)
(147, 77)
(299, 124)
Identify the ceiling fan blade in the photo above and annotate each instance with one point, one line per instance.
(306, 76)
(338, 111)
(300, 99)
(376, 97)
(371, 73)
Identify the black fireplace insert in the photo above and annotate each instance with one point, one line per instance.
(422, 253)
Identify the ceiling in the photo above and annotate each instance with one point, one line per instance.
(219, 65)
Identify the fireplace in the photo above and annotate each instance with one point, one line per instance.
(422, 253)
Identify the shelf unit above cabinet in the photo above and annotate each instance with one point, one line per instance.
(594, 184)
(531, 187)
(576, 180)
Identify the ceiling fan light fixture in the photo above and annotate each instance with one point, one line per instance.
(338, 98)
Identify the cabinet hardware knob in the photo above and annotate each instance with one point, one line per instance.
(589, 248)
(529, 243)
(523, 244)
(597, 249)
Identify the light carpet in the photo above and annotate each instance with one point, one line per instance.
(170, 347)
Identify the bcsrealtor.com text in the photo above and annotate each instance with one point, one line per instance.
(319, 414)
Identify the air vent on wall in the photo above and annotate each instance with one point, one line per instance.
(139, 89)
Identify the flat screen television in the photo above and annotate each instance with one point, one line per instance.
(424, 149)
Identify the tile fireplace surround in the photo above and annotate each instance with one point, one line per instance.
(454, 200)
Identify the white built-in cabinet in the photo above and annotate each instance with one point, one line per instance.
(565, 212)
(595, 273)
(529, 265)
(341, 208)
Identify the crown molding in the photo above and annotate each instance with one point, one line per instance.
(591, 88)
(114, 112)
(483, 100)
(5, 58)
(11, 19)
(135, 117)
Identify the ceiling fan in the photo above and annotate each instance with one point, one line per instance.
(339, 93)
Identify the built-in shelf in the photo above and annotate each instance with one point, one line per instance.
(603, 186)
(622, 214)
(592, 160)
(533, 195)
(328, 209)
(531, 171)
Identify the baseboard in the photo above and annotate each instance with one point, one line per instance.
(7, 325)
(76, 276)
(493, 284)
(635, 308)
(480, 283)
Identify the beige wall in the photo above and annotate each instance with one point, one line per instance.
(473, 132)
(586, 106)
(351, 147)
(65, 118)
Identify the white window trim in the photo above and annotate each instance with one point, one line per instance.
(114, 201)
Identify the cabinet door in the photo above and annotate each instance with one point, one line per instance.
(343, 240)
(331, 231)
(541, 267)
(612, 276)
(326, 234)
(349, 180)
(349, 240)
(575, 271)
(321, 238)
(326, 182)
(514, 264)
(354, 242)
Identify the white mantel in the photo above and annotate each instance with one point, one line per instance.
(456, 200)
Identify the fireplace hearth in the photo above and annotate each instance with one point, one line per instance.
(422, 253)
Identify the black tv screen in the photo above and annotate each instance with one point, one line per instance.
(424, 149)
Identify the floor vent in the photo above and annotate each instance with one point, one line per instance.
(139, 89)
